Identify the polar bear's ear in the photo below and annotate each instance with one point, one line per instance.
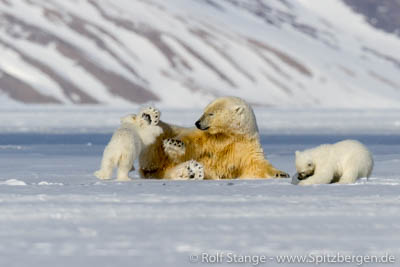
(239, 109)
(297, 152)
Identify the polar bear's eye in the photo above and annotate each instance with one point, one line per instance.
(309, 164)
(210, 114)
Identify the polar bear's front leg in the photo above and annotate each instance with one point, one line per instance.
(175, 149)
(348, 177)
(151, 115)
(279, 174)
(189, 170)
(322, 177)
(260, 169)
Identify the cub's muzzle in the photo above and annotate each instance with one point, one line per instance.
(304, 175)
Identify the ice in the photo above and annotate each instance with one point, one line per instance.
(49, 183)
(64, 216)
(13, 182)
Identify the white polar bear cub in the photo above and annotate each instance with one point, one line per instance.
(127, 142)
(343, 162)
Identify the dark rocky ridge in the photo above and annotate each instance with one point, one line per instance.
(382, 14)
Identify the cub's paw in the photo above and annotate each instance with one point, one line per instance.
(174, 148)
(193, 170)
(151, 115)
(304, 182)
(281, 174)
(102, 176)
(123, 179)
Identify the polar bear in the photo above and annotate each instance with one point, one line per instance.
(135, 133)
(225, 143)
(343, 162)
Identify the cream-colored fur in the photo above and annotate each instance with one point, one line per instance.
(343, 162)
(226, 143)
(134, 134)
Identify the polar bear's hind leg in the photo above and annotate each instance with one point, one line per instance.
(349, 177)
(189, 170)
(195, 170)
(125, 164)
(107, 166)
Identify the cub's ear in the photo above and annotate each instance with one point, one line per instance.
(239, 109)
(127, 118)
(297, 153)
(122, 119)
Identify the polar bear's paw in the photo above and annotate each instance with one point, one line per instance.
(102, 175)
(174, 148)
(195, 170)
(192, 170)
(151, 115)
(305, 182)
(124, 179)
(281, 174)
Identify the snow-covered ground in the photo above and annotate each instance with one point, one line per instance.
(53, 212)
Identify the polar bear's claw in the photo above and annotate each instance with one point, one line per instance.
(282, 175)
(151, 115)
(188, 170)
(195, 171)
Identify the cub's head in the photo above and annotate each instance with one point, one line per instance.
(133, 119)
(228, 115)
(305, 165)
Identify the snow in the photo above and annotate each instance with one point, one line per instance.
(12, 182)
(346, 56)
(12, 64)
(61, 215)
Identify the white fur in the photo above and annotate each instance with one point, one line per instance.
(240, 113)
(189, 170)
(125, 146)
(346, 160)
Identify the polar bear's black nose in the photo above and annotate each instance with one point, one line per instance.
(198, 124)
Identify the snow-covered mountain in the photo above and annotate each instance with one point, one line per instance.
(183, 53)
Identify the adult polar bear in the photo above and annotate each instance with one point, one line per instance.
(226, 142)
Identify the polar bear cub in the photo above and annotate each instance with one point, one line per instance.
(343, 162)
(127, 142)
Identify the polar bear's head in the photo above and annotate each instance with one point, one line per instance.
(228, 115)
(305, 164)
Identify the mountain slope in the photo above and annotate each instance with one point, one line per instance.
(184, 53)
(382, 14)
